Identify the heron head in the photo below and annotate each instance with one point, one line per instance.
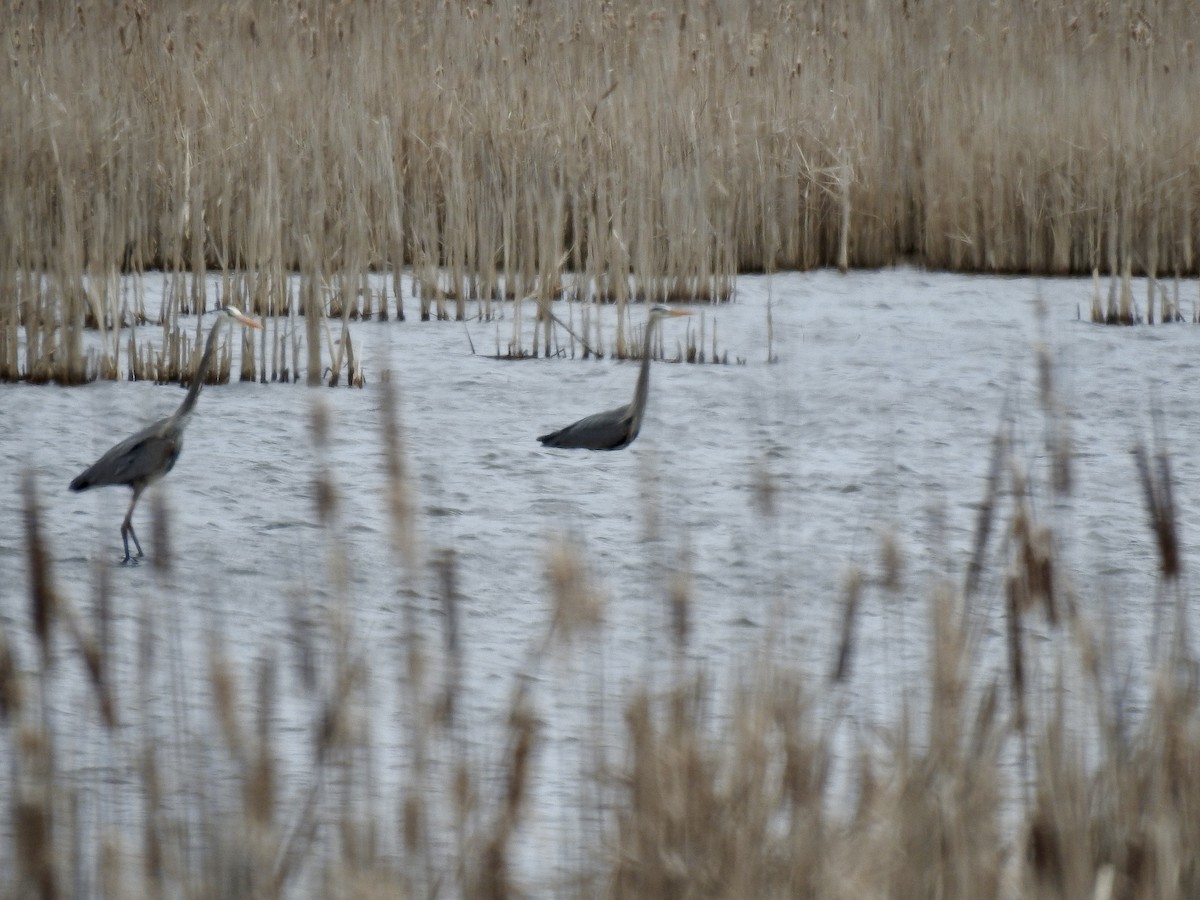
(661, 310)
(232, 312)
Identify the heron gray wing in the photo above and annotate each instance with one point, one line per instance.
(609, 430)
(140, 459)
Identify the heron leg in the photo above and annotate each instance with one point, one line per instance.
(127, 529)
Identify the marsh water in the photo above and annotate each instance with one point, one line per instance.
(850, 407)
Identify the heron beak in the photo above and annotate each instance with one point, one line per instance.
(247, 321)
(679, 312)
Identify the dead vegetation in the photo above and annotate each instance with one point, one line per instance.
(600, 151)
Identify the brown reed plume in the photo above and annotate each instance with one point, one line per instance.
(578, 605)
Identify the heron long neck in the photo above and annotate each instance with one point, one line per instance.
(643, 383)
(201, 374)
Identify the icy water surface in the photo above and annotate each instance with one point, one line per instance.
(876, 415)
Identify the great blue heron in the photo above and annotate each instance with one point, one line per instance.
(615, 428)
(141, 460)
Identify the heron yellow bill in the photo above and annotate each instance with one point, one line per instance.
(661, 309)
(235, 313)
(246, 320)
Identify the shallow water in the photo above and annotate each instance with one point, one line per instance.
(877, 415)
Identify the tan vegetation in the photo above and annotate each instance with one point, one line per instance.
(604, 150)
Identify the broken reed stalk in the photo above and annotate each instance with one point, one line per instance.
(852, 596)
(1059, 446)
(679, 602)
(494, 875)
(446, 566)
(987, 509)
(401, 504)
(43, 596)
(1154, 476)
(96, 662)
(10, 684)
(1155, 480)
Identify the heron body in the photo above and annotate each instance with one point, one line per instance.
(147, 456)
(137, 461)
(615, 428)
(609, 430)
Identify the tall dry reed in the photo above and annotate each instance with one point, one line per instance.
(605, 150)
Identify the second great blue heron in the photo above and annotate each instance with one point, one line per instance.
(615, 428)
(141, 460)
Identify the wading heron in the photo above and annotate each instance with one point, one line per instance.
(141, 460)
(615, 428)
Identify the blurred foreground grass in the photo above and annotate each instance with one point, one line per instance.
(983, 786)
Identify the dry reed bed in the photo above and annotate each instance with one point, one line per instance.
(151, 339)
(654, 151)
(731, 802)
